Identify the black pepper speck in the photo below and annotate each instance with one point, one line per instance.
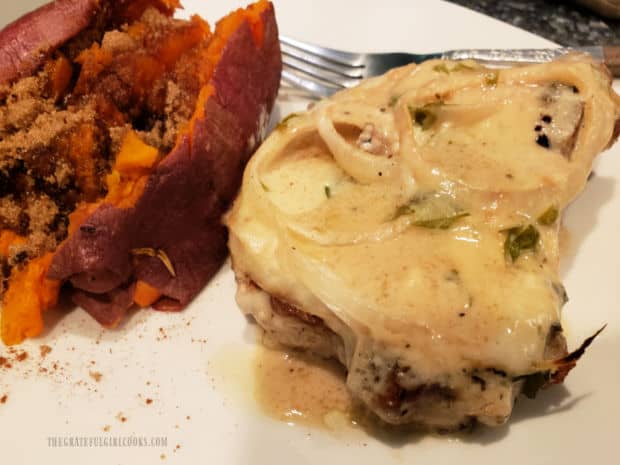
(543, 141)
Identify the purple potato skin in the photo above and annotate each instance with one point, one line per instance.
(186, 194)
(27, 42)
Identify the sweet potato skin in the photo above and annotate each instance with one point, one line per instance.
(179, 210)
(26, 43)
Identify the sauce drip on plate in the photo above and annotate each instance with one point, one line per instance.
(301, 389)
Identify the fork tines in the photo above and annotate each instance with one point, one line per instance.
(322, 71)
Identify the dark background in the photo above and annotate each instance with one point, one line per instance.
(563, 22)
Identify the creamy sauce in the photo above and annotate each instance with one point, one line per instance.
(301, 389)
(295, 388)
(406, 255)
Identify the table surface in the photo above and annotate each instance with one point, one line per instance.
(562, 22)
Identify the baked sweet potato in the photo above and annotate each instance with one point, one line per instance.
(123, 137)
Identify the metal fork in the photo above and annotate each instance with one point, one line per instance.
(323, 71)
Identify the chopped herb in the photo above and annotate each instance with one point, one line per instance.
(284, 123)
(156, 253)
(423, 116)
(393, 100)
(432, 210)
(549, 216)
(328, 192)
(491, 79)
(264, 186)
(441, 68)
(461, 66)
(403, 210)
(519, 239)
(440, 223)
(560, 290)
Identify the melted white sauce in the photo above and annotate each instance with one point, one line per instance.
(325, 232)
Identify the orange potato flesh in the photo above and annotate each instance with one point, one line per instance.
(80, 145)
(7, 239)
(60, 76)
(93, 60)
(29, 293)
(135, 157)
(145, 295)
(128, 178)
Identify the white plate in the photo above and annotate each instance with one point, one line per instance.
(201, 392)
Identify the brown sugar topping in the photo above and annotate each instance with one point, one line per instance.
(61, 129)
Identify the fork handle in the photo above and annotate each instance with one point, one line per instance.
(608, 54)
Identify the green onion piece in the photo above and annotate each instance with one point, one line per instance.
(460, 66)
(490, 79)
(440, 223)
(441, 68)
(432, 210)
(549, 216)
(264, 186)
(402, 211)
(284, 123)
(519, 239)
(328, 192)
